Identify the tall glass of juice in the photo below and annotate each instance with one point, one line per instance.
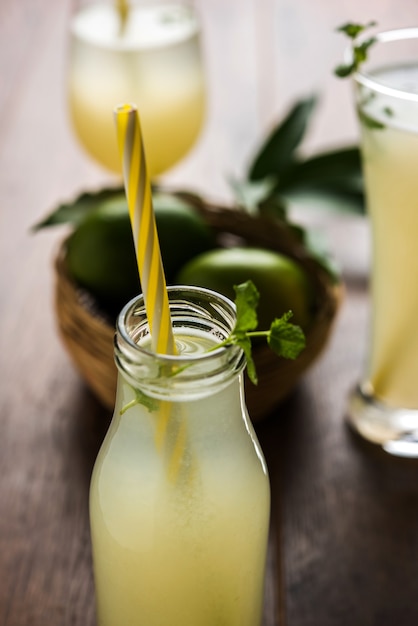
(149, 56)
(180, 496)
(384, 407)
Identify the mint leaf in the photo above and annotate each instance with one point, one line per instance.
(359, 51)
(353, 30)
(369, 122)
(344, 70)
(285, 339)
(246, 302)
(244, 343)
(141, 398)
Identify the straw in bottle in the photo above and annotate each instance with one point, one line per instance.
(139, 196)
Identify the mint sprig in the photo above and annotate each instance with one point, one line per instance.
(285, 339)
(360, 50)
(140, 398)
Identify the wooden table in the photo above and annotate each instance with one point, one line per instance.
(344, 540)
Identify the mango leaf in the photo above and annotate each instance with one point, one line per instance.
(276, 206)
(335, 176)
(76, 211)
(277, 153)
(334, 200)
(318, 247)
(340, 167)
(250, 194)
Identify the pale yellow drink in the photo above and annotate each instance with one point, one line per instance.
(154, 62)
(390, 157)
(183, 548)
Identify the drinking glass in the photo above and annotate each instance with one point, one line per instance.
(384, 406)
(149, 55)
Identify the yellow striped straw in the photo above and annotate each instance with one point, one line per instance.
(141, 212)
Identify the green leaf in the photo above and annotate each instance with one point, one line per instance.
(359, 51)
(352, 30)
(318, 248)
(75, 212)
(277, 153)
(369, 122)
(141, 398)
(344, 70)
(286, 340)
(246, 302)
(335, 175)
(245, 344)
(342, 167)
(276, 206)
(250, 194)
(327, 198)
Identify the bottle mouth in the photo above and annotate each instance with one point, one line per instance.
(195, 312)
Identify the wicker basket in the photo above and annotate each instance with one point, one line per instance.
(88, 335)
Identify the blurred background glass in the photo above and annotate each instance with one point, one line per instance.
(146, 53)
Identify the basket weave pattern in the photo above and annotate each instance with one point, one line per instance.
(88, 335)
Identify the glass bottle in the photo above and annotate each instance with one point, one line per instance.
(180, 496)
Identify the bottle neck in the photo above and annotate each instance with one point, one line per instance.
(201, 319)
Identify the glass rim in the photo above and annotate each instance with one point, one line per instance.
(78, 34)
(368, 80)
(193, 308)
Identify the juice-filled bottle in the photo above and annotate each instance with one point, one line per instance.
(180, 497)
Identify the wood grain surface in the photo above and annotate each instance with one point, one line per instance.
(344, 536)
